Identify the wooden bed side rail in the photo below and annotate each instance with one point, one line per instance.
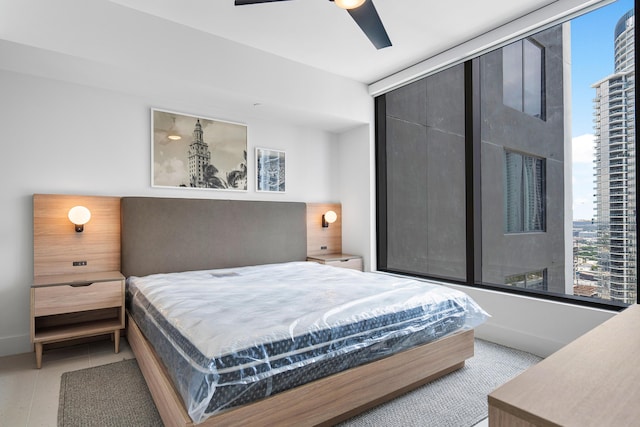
(322, 402)
(165, 396)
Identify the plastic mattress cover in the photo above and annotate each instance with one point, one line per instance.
(239, 327)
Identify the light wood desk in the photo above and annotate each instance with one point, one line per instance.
(593, 381)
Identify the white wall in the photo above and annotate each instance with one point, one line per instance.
(64, 138)
(355, 159)
(538, 326)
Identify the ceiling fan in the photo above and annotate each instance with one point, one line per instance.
(362, 11)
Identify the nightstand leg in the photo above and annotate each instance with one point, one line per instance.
(116, 340)
(38, 355)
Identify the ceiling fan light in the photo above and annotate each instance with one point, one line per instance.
(349, 4)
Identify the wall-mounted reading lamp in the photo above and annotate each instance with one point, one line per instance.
(79, 216)
(329, 217)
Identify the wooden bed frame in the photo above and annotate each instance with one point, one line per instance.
(260, 233)
(326, 401)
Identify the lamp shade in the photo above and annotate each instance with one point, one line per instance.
(79, 215)
(330, 217)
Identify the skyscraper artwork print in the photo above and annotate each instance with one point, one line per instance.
(196, 152)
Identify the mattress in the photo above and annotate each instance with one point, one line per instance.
(232, 336)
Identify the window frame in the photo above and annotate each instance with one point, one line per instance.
(473, 195)
(521, 202)
(526, 275)
(522, 77)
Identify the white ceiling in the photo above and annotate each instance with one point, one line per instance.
(319, 34)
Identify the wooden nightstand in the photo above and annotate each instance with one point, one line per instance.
(353, 262)
(68, 306)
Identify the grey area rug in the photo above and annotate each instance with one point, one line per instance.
(116, 394)
(113, 395)
(455, 400)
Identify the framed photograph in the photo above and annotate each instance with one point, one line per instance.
(270, 170)
(197, 152)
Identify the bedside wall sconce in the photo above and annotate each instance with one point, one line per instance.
(329, 217)
(79, 216)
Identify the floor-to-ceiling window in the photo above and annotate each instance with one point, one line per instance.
(425, 176)
(515, 169)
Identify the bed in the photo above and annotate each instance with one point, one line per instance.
(361, 338)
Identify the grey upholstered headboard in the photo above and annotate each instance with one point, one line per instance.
(161, 235)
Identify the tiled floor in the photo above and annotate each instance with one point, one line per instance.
(29, 396)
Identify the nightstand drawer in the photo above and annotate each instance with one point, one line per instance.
(82, 297)
(353, 263)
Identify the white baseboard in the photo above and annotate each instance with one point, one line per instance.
(520, 340)
(15, 345)
(530, 324)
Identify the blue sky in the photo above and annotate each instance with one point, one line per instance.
(591, 60)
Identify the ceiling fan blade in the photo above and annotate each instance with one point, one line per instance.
(366, 16)
(244, 2)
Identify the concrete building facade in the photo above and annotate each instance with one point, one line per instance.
(521, 147)
(531, 256)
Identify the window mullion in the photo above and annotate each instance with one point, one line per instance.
(473, 173)
(522, 76)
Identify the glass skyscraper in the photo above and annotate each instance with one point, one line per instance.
(615, 170)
